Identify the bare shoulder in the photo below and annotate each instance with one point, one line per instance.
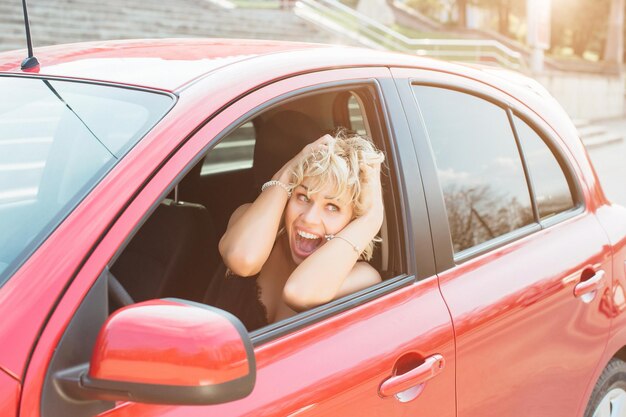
(361, 276)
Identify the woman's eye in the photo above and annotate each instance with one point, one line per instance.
(332, 207)
(303, 198)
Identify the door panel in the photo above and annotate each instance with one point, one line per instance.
(335, 367)
(526, 344)
(521, 332)
(9, 395)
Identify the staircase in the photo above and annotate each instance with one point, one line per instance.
(68, 21)
(595, 134)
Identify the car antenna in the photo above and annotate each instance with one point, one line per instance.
(29, 62)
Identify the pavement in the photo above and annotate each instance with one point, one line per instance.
(609, 159)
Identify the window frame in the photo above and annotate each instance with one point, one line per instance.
(445, 256)
(381, 123)
(564, 163)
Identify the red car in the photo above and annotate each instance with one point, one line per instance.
(503, 263)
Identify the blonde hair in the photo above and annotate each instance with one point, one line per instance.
(338, 164)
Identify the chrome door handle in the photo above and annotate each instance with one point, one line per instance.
(431, 367)
(589, 285)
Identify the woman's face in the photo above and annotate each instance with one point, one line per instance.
(309, 218)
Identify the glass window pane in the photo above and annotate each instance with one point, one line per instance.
(57, 141)
(233, 153)
(550, 184)
(357, 120)
(478, 163)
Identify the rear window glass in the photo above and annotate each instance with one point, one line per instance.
(479, 166)
(552, 190)
(58, 139)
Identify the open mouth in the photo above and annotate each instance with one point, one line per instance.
(306, 243)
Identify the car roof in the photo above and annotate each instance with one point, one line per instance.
(165, 64)
(171, 64)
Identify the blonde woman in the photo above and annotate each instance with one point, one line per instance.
(306, 238)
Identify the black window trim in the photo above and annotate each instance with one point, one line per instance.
(527, 174)
(383, 124)
(451, 259)
(496, 242)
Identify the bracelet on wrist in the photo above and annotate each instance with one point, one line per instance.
(354, 247)
(279, 184)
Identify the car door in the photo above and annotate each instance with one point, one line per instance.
(9, 394)
(334, 359)
(523, 264)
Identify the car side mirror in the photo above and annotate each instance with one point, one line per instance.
(166, 351)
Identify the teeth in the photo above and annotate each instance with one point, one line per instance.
(307, 235)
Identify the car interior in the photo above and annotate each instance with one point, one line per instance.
(175, 254)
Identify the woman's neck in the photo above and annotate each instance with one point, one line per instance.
(285, 252)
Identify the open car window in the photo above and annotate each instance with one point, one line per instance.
(187, 264)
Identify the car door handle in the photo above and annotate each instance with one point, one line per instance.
(431, 367)
(589, 285)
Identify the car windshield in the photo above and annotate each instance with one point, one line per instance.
(58, 139)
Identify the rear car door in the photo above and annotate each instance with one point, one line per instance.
(331, 360)
(523, 264)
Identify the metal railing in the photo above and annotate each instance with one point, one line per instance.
(337, 17)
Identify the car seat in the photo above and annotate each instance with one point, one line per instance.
(278, 139)
(171, 255)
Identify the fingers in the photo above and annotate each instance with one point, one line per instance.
(322, 142)
(324, 139)
(370, 164)
(318, 144)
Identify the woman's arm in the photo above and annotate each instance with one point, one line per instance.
(252, 228)
(332, 269)
(251, 232)
(361, 276)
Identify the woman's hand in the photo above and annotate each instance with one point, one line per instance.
(284, 174)
(371, 189)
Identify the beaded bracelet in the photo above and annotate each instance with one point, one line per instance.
(280, 184)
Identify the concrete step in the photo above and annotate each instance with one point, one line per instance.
(605, 139)
(153, 23)
(69, 21)
(135, 12)
(16, 40)
(591, 130)
(595, 134)
(111, 7)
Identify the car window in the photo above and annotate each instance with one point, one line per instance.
(188, 264)
(356, 115)
(478, 163)
(552, 191)
(57, 141)
(233, 153)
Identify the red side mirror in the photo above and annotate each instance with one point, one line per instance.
(171, 352)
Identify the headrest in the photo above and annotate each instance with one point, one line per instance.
(280, 138)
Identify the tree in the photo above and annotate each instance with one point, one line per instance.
(461, 6)
(504, 9)
(580, 25)
(614, 48)
(430, 8)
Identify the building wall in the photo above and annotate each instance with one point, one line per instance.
(586, 95)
